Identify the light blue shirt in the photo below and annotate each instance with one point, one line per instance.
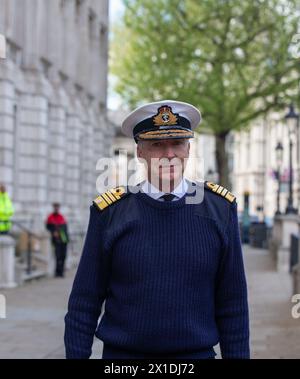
(156, 194)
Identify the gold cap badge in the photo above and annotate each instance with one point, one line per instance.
(165, 117)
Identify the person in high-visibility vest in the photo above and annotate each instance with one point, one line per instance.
(6, 211)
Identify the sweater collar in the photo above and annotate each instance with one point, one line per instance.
(149, 189)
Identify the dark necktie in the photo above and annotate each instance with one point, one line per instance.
(168, 197)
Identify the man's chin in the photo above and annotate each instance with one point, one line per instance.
(166, 178)
(171, 178)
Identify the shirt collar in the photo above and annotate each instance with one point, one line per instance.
(155, 193)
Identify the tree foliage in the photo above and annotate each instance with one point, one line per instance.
(231, 59)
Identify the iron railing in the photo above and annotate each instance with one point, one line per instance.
(73, 239)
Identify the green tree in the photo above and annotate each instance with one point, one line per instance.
(231, 59)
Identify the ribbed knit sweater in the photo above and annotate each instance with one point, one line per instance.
(172, 278)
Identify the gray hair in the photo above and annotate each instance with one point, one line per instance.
(140, 143)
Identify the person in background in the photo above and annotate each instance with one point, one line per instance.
(57, 226)
(6, 211)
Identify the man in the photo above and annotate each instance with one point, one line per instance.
(57, 226)
(6, 211)
(171, 270)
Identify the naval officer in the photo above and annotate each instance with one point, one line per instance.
(170, 271)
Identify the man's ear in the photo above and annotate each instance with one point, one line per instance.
(139, 153)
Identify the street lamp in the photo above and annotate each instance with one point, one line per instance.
(292, 119)
(279, 156)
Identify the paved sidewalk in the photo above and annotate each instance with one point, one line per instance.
(34, 326)
(274, 333)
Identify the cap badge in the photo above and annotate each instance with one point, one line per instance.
(165, 116)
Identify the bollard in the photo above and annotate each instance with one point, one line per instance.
(7, 262)
(2, 47)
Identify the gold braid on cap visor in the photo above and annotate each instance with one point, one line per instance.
(159, 134)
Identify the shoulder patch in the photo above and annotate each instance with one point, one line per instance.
(109, 197)
(219, 190)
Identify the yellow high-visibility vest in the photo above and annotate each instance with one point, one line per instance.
(6, 212)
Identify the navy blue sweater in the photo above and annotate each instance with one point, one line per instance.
(172, 276)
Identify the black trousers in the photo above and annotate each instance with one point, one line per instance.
(60, 250)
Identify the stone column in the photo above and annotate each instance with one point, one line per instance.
(33, 157)
(103, 78)
(3, 16)
(74, 130)
(88, 166)
(82, 53)
(57, 153)
(96, 70)
(57, 142)
(7, 125)
(101, 145)
(70, 37)
(33, 119)
(31, 35)
(7, 262)
(109, 134)
(284, 226)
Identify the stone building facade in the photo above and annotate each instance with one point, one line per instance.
(255, 165)
(53, 97)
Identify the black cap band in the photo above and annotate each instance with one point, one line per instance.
(148, 125)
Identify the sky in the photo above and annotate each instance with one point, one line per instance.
(116, 9)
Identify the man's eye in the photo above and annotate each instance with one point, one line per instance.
(156, 144)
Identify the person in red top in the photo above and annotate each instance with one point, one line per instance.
(57, 226)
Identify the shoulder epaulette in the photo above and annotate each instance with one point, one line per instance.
(219, 190)
(109, 197)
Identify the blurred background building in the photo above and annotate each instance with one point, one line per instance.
(53, 121)
(53, 99)
(258, 154)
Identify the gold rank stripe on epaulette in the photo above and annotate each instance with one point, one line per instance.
(109, 197)
(221, 191)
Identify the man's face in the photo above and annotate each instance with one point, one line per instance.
(56, 208)
(166, 159)
(2, 188)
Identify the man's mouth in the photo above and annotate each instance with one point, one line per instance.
(168, 167)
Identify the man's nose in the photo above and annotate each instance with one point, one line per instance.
(169, 152)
